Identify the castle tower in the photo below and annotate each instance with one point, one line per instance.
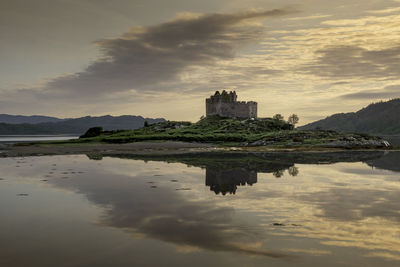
(226, 105)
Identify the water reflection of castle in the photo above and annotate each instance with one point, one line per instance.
(227, 181)
(226, 171)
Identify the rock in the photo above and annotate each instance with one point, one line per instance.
(95, 156)
(258, 143)
(261, 143)
(386, 143)
(294, 144)
(356, 143)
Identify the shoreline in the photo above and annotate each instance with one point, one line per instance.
(156, 148)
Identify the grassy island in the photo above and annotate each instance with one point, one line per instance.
(234, 132)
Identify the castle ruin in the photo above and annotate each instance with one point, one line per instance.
(226, 105)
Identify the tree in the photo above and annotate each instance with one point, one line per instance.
(278, 173)
(146, 124)
(293, 171)
(278, 117)
(92, 132)
(293, 119)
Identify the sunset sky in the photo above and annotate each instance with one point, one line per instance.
(162, 58)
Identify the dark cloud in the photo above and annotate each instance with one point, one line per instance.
(392, 91)
(339, 83)
(147, 57)
(346, 62)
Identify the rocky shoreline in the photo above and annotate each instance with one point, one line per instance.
(176, 147)
(346, 143)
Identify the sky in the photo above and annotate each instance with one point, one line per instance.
(162, 58)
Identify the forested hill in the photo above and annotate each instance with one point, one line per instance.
(377, 118)
(77, 126)
(19, 119)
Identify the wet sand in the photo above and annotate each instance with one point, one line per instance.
(167, 147)
(146, 148)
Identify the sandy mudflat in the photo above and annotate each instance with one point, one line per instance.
(142, 148)
(136, 148)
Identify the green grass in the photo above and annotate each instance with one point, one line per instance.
(214, 130)
(222, 131)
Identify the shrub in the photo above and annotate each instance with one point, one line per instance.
(92, 132)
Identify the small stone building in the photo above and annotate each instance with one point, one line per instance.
(226, 105)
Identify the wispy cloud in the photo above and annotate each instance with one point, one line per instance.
(385, 11)
(392, 91)
(310, 17)
(346, 62)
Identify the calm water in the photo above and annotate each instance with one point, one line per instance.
(33, 138)
(338, 209)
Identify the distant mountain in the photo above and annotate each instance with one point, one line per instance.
(77, 126)
(18, 119)
(377, 118)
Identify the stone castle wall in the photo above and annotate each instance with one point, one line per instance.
(226, 105)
